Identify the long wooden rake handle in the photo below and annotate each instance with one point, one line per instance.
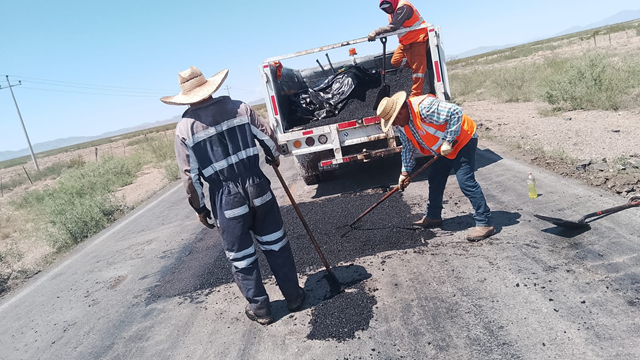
(395, 190)
(304, 223)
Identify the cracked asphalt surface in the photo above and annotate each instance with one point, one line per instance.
(154, 285)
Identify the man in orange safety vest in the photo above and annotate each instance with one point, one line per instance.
(434, 127)
(412, 51)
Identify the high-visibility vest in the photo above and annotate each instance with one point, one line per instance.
(431, 136)
(414, 36)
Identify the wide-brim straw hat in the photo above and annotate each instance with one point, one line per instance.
(195, 87)
(389, 109)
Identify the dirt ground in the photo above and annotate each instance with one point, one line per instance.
(597, 147)
(22, 254)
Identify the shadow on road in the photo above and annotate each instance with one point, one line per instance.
(383, 174)
(501, 219)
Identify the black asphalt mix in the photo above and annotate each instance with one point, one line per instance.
(357, 109)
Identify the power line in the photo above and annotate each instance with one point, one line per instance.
(96, 88)
(85, 84)
(89, 93)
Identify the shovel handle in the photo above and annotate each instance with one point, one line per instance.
(304, 222)
(633, 202)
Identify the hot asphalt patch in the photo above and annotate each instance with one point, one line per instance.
(201, 266)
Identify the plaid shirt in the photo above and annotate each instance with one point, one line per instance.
(434, 111)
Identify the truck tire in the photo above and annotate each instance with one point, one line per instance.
(308, 167)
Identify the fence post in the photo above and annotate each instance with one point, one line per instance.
(96, 154)
(124, 149)
(28, 177)
(1, 189)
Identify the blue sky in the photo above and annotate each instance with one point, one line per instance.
(134, 49)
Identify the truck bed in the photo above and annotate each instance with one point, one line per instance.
(356, 109)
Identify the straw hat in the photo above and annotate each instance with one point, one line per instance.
(195, 87)
(389, 109)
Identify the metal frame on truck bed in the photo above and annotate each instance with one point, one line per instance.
(320, 150)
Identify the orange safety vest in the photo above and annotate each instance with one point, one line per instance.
(431, 135)
(414, 36)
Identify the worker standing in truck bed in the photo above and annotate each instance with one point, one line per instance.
(412, 51)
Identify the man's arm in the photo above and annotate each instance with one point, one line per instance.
(190, 174)
(439, 112)
(265, 135)
(402, 14)
(408, 152)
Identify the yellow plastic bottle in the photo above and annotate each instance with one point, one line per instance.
(533, 193)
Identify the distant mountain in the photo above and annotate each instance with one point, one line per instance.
(59, 143)
(256, 102)
(622, 16)
(481, 50)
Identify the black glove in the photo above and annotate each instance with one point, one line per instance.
(273, 161)
(204, 215)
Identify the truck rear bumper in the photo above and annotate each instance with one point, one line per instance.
(365, 156)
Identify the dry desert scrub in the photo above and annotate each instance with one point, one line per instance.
(593, 81)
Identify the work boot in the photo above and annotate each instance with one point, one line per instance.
(480, 233)
(295, 306)
(428, 223)
(262, 320)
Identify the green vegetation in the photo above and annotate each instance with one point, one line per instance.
(23, 160)
(81, 203)
(587, 82)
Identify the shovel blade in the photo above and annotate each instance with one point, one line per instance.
(385, 91)
(565, 224)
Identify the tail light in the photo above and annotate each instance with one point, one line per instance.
(310, 141)
(297, 144)
(322, 139)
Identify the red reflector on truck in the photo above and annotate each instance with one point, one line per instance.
(307, 133)
(371, 120)
(266, 66)
(437, 66)
(275, 106)
(326, 163)
(347, 125)
(432, 30)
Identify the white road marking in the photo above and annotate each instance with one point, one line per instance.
(54, 271)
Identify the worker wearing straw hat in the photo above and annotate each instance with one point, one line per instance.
(216, 142)
(432, 126)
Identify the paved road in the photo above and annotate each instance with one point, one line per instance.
(155, 285)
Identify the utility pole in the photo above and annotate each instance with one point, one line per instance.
(33, 155)
(227, 88)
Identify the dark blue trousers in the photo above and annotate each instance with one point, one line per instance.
(464, 166)
(247, 209)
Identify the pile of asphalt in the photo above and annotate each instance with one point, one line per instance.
(357, 109)
(340, 317)
(202, 266)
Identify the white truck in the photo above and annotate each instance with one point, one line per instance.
(319, 151)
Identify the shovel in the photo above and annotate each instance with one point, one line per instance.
(582, 222)
(385, 90)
